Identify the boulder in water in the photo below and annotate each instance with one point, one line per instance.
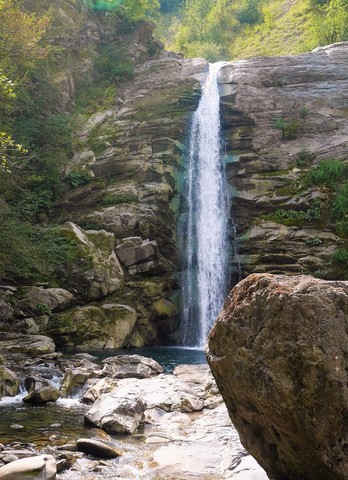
(9, 383)
(278, 352)
(97, 448)
(42, 395)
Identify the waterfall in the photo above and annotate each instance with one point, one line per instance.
(206, 248)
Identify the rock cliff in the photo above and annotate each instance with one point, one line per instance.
(278, 352)
(281, 117)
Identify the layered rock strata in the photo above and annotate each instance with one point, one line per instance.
(278, 352)
(281, 116)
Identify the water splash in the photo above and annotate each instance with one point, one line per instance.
(205, 279)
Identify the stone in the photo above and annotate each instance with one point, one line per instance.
(102, 274)
(98, 449)
(278, 352)
(107, 325)
(39, 301)
(122, 409)
(97, 388)
(131, 366)
(34, 345)
(73, 381)
(137, 253)
(9, 458)
(41, 467)
(9, 382)
(120, 416)
(42, 396)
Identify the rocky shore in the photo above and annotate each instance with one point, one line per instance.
(150, 424)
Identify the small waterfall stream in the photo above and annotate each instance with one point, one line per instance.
(205, 280)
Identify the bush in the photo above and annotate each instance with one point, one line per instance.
(328, 173)
(79, 178)
(112, 65)
(29, 252)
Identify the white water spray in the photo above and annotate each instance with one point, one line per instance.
(204, 285)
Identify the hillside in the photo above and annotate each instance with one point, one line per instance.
(225, 30)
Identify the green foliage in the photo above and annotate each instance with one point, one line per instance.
(29, 252)
(132, 9)
(332, 174)
(168, 6)
(341, 257)
(44, 309)
(77, 178)
(327, 173)
(112, 65)
(313, 241)
(251, 13)
(340, 261)
(332, 21)
(289, 130)
(303, 158)
(298, 217)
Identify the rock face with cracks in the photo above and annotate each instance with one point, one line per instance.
(278, 352)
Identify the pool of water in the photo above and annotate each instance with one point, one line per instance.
(168, 357)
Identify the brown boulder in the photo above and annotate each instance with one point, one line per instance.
(279, 354)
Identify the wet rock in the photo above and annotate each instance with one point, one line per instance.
(73, 381)
(34, 345)
(278, 352)
(42, 467)
(9, 382)
(38, 301)
(102, 274)
(131, 366)
(42, 396)
(97, 448)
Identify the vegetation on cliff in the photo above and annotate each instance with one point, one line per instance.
(60, 62)
(222, 29)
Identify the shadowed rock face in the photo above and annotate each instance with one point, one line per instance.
(307, 95)
(278, 352)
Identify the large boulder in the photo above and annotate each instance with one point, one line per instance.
(278, 352)
(99, 272)
(131, 366)
(34, 345)
(9, 382)
(108, 325)
(39, 301)
(121, 410)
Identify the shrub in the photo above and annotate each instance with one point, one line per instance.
(328, 173)
(75, 179)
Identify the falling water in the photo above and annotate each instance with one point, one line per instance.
(205, 279)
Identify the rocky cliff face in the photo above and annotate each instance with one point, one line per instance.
(278, 352)
(281, 117)
(121, 208)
